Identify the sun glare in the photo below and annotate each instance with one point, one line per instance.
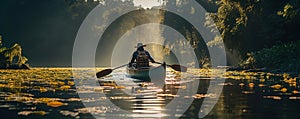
(147, 3)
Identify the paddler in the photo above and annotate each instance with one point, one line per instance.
(141, 57)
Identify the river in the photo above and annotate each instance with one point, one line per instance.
(58, 93)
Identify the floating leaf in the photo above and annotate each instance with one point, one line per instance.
(261, 85)
(44, 100)
(65, 87)
(71, 83)
(295, 92)
(69, 113)
(283, 90)
(277, 86)
(61, 83)
(55, 104)
(26, 113)
(251, 85)
(42, 89)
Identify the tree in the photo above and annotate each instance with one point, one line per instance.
(252, 25)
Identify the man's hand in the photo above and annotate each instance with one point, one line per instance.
(152, 61)
(130, 64)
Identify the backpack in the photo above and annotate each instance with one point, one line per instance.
(142, 59)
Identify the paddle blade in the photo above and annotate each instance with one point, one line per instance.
(103, 73)
(178, 67)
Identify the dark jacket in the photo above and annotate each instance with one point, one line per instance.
(135, 54)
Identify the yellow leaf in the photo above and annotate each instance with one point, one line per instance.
(53, 83)
(277, 86)
(55, 104)
(295, 91)
(283, 90)
(120, 87)
(65, 87)
(251, 85)
(71, 83)
(42, 89)
(61, 83)
(44, 100)
(39, 112)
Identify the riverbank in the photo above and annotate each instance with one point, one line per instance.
(278, 59)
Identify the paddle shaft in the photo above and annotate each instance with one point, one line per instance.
(107, 71)
(175, 67)
(161, 63)
(119, 67)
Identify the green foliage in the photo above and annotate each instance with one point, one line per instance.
(0, 42)
(186, 29)
(80, 8)
(230, 19)
(290, 10)
(8, 54)
(281, 57)
(252, 25)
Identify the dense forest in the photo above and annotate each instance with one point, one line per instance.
(263, 33)
(256, 33)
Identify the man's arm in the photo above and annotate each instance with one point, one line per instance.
(151, 59)
(134, 55)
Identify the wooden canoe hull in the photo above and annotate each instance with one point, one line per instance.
(147, 73)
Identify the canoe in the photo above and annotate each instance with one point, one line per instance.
(147, 73)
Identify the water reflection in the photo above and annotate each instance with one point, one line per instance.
(148, 100)
(51, 93)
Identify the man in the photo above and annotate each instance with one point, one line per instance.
(141, 56)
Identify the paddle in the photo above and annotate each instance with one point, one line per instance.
(107, 71)
(176, 67)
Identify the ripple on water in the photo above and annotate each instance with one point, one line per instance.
(38, 91)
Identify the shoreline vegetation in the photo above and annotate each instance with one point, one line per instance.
(277, 59)
(265, 31)
(11, 58)
(259, 35)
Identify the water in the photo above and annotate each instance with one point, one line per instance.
(52, 93)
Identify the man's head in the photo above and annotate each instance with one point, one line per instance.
(139, 45)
